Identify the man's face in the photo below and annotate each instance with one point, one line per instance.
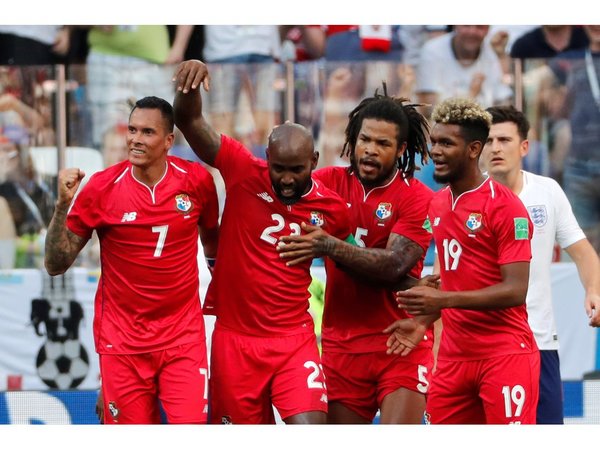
(290, 172)
(376, 152)
(504, 150)
(470, 37)
(147, 139)
(449, 153)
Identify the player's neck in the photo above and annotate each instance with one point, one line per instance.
(150, 175)
(469, 183)
(512, 180)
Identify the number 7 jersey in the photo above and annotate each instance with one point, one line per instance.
(148, 293)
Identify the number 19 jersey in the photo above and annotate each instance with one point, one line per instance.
(476, 233)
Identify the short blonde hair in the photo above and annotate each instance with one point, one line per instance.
(473, 120)
(461, 111)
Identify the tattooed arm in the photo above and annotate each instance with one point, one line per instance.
(62, 245)
(389, 266)
(187, 107)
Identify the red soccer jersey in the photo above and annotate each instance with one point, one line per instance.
(253, 290)
(148, 294)
(355, 312)
(475, 234)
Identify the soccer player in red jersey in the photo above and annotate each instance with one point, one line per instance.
(388, 211)
(488, 362)
(264, 351)
(148, 325)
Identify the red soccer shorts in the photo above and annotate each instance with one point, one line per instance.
(249, 375)
(499, 390)
(361, 381)
(132, 386)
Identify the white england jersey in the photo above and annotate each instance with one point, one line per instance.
(553, 220)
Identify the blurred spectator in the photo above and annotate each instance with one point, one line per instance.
(8, 233)
(357, 58)
(547, 41)
(579, 70)
(114, 145)
(461, 64)
(33, 44)
(30, 201)
(414, 37)
(128, 62)
(513, 32)
(243, 100)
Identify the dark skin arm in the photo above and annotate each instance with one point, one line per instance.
(201, 137)
(389, 266)
(510, 292)
(62, 245)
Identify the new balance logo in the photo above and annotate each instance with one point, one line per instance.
(129, 217)
(265, 197)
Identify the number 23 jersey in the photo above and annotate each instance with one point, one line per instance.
(253, 290)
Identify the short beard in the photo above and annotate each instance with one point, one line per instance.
(444, 179)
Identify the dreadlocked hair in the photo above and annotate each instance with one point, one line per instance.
(413, 127)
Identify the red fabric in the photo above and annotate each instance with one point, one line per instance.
(146, 302)
(355, 312)
(253, 290)
(470, 259)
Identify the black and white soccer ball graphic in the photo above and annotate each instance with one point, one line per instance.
(62, 365)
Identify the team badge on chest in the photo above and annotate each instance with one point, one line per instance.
(316, 218)
(383, 211)
(473, 222)
(183, 203)
(538, 215)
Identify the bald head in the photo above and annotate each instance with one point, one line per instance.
(291, 158)
(291, 138)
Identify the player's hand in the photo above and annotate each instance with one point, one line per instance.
(68, 183)
(299, 248)
(100, 406)
(432, 281)
(189, 74)
(420, 300)
(592, 308)
(405, 334)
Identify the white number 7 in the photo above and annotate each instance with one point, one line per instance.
(162, 237)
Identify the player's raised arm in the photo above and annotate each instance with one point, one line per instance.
(203, 139)
(62, 245)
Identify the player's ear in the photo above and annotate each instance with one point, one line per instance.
(524, 148)
(314, 160)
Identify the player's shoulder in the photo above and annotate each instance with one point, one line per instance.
(541, 182)
(185, 166)
(331, 174)
(416, 186)
(110, 175)
(328, 195)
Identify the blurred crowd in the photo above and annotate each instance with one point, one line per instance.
(262, 75)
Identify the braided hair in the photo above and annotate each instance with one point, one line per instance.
(413, 128)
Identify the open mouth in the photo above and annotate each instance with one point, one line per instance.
(369, 166)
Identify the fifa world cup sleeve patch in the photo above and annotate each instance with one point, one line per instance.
(521, 229)
(427, 226)
(350, 240)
